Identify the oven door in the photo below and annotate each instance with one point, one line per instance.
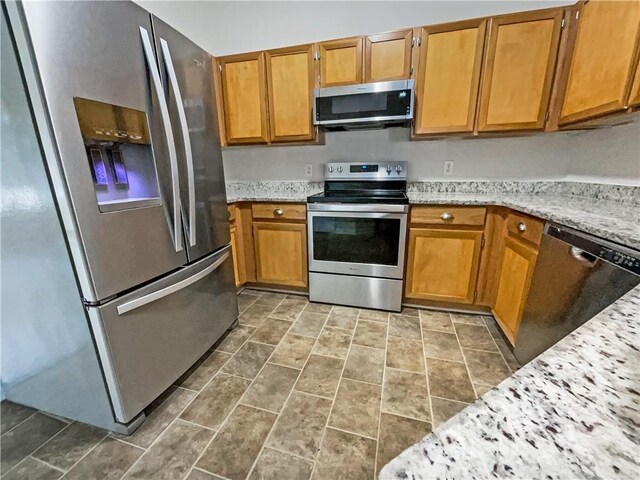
(365, 243)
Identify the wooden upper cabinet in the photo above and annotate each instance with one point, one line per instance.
(388, 56)
(449, 76)
(601, 67)
(244, 94)
(341, 62)
(290, 87)
(634, 97)
(519, 64)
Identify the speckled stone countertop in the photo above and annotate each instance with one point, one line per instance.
(615, 221)
(573, 412)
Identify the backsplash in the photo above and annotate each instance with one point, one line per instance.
(298, 190)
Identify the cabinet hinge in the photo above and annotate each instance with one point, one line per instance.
(577, 14)
(475, 295)
(562, 24)
(413, 42)
(219, 67)
(411, 70)
(419, 41)
(546, 116)
(482, 242)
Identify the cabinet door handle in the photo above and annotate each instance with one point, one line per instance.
(522, 227)
(447, 216)
(278, 212)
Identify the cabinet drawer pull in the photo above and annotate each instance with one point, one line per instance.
(522, 227)
(278, 212)
(447, 216)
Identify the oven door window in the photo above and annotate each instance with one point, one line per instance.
(356, 240)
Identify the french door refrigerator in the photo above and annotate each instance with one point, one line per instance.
(125, 112)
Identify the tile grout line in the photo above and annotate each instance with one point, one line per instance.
(266, 440)
(19, 423)
(335, 395)
(30, 454)
(426, 373)
(50, 465)
(222, 424)
(384, 378)
(464, 357)
(88, 452)
(511, 371)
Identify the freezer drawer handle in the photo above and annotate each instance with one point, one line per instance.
(173, 81)
(166, 121)
(152, 297)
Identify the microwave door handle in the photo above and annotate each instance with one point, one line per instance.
(182, 117)
(166, 121)
(164, 292)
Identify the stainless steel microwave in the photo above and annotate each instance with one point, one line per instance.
(370, 105)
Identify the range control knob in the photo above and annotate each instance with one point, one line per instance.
(399, 168)
(388, 168)
(339, 169)
(330, 169)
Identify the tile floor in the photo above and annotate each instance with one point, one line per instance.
(298, 390)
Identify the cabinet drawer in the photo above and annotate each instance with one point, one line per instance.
(279, 211)
(232, 213)
(528, 228)
(443, 215)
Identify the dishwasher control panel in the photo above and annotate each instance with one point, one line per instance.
(621, 259)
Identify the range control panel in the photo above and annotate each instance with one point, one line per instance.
(621, 259)
(358, 171)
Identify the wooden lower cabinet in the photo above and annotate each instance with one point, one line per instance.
(281, 253)
(442, 264)
(516, 269)
(237, 271)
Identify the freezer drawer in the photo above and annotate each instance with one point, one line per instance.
(150, 337)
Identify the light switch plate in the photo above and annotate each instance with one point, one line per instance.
(448, 168)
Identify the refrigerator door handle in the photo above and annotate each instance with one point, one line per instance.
(173, 82)
(152, 297)
(164, 112)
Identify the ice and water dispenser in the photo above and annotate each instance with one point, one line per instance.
(118, 147)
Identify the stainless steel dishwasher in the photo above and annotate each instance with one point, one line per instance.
(576, 276)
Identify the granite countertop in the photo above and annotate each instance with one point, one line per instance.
(615, 221)
(573, 412)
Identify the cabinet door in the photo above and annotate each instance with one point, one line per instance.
(341, 62)
(443, 264)
(634, 96)
(519, 63)
(600, 73)
(234, 252)
(290, 88)
(449, 77)
(281, 253)
(388, 56)
(516, 269)
(245, 99)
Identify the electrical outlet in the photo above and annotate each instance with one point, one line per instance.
(309, 170)
(448, 168)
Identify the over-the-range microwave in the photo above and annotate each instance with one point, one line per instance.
(370, 105)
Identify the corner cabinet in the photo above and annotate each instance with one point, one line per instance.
(244, 98)
(444, 253)
(449, 77)
(518, 71)
(517, 261)
(603, 60)
(290, 82)
(280, 244)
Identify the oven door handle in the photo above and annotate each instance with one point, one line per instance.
(357, 208)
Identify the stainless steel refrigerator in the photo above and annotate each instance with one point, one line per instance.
(124, 118)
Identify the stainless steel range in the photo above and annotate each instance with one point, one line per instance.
(357, 230)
